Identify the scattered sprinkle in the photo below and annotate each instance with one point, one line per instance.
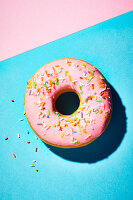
(12, 100)
(75, 142)
(87, 98)
(98, 100)
(36, 149)
(92, 86)
(62, 135)
(36, 137)
(74, 131)
(48, 111)
(6, 138)
(14, 155)
(80, 87)
(87, 137)
(28, 142)
(39, 124)
(21, 119)
(66, 73)
(18, 135)
(89, 111)
(34, 84)
(32, 165)
(69, 76)
(97, 111)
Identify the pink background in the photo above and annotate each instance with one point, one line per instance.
(25, 25)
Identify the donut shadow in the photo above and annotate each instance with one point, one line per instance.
(106, 144)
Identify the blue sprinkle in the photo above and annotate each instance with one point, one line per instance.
(50, 74)
(28, 132)
(30, 92)
(93, 110)
(74, 131)
(81, 114)
(85, 72)
(103, 97)
(87, 98)
(47, 116)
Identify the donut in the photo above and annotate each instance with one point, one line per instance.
(85, 90)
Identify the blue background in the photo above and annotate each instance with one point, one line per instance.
(101, 170)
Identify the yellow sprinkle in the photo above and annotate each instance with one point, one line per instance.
(104, 116)
(24, 113)
(66, 73)
(68, 120)
(92, 95)
(29, 86)
(62, 135)
(43, 103)
(82, 108)
(39, 84)
(79, 128)
(54, 125)
(84, 130)
(41, 98)
(83, 65)
(56, 72)
(48, 125)
(69, 76)
(36, 103)
(88, 121)
(29, 82)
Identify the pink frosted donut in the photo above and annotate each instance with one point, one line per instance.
(92, 115)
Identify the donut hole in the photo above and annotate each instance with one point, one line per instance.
(67, 103)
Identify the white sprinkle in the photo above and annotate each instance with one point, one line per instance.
(74, 81)
(36, 137)
(67, 134)
(18, 135)
(87, 137)
(34, 160)
(21, 119)
(92, 128)
(81, 83)
(47, 127)
(32, 165)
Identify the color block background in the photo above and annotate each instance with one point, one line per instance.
(101, 170)
(25, 25)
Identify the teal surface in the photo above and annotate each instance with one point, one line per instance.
(101, 170)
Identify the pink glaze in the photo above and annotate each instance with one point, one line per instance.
(88, 122)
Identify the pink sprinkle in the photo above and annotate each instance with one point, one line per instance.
(12, 100)
(6, 138)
